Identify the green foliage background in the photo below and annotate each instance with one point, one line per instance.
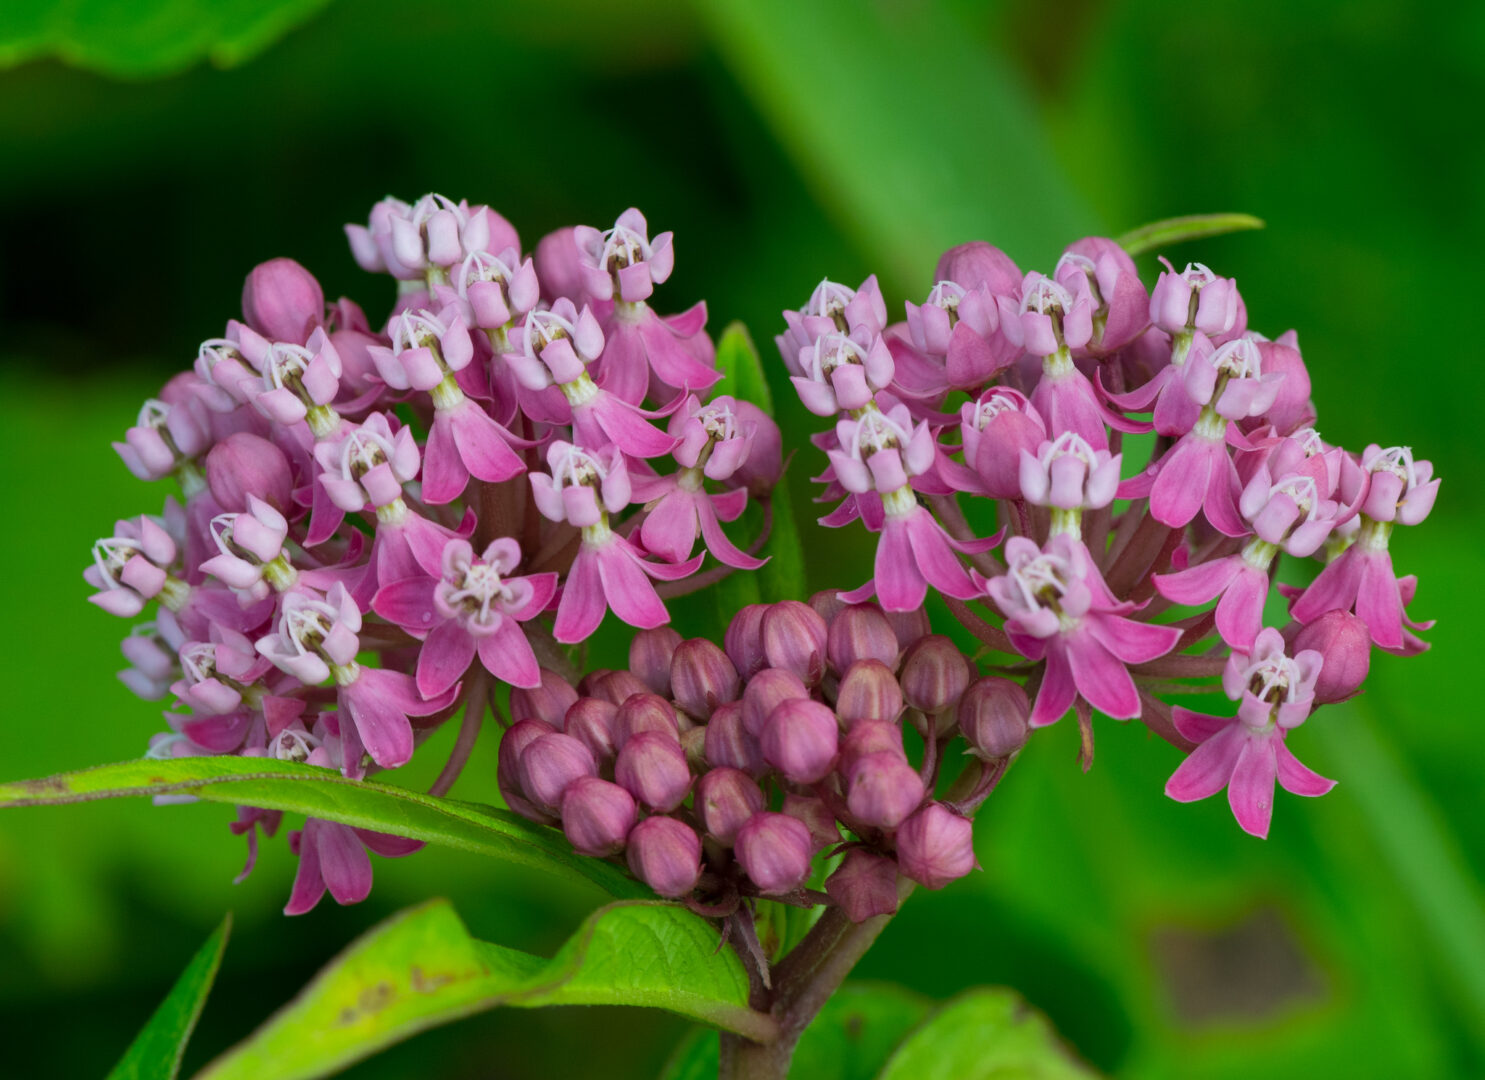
(153, 151)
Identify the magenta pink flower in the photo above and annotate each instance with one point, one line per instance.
(1195, 300)
(165, 437)
(474, 606)
(299, 382)
(1058, 608)
(250, 551)
(334, 857)
(623, 263)
(228, 366)
(956, 336)
(1066, 473)
(1246, 753)
(842, 371)
(995, 428)
(832, 308)
(1121, 305)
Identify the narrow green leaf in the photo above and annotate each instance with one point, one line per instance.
(421, 968)
(324, 793)
(1178, 230)
(156, 1052)
(782, 578)
(741, 368)
(987, 1034)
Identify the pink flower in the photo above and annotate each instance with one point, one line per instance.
(495, 291)
(1246, 753)
(426, 349)
(133, 566)
(957, 331)
(832, 308)
(1195, 299)
(473, 606)
(282, 301)
(368, 464)
(433, 233)
(623, 263)
(1057, 607)
(250, 551)
(995, 429)
(228, 366)
(334, 857)
(1121, 305)
(1068, 474)
(296, 379)
(1049, 316)
(842, 371)
(165, 437)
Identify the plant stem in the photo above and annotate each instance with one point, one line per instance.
(475, 700)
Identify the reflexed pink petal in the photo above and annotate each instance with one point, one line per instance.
(408, 603)
(445, 656)
(344, 864)
(1100, 676)
(718, 543)
(583, 605)
(668, 357)
(1250, 792)
(1181, 486)
(1132, 641)
(1058, 691)
(623, 370)
(309, 886)
(670, 529)
(482, 445)
(1378, 601)
(1240, 611)
(900, 586)
(934, 555)
(1198, 727)
(629, 431)
(387, 845)
(507, 655)
(1334, 589)
(1208, 768)
(1298, 778)
(627, 587)
(444, 473)
(1201, 583)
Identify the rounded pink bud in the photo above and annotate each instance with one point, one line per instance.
(513, 743)
(559, 266)
(282, 301)
(816, 816)
(799, 740)
(665, 855)
(994, 715)
(549, 764)
(744, 640)
(765, 691)
(725, 799)
(548, 702)
(828, 604)
(935, 846)
(245, 464)
(617, 686)
(641, 713)
(775, 851)
(868, 692)
(1345, 646)
(909, 626)
(882, 789)
(590, 721)
(864, 885)
(870, 737)
(978, 263)
(729, 744)
(761, 469)
(653, 768)
(794, 638)
(597, 816)
(861, 632)
(702, 677)
(934, 674)
(650, 654)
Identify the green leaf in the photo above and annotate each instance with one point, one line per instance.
(421, 968)
(156, 1052)
(848, 1040)
(146, 38)
(980, 1035)
(324, 793)
(741, 368)
(1178, 230)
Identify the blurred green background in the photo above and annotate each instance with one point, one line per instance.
(151, 152)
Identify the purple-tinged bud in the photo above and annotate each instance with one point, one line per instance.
(994, 715)
(766, 691)
(870, 737)
(817, 818)
(864, 885)
(650, 654)
(549, 764)
(799, 740)
(882, 789)
(693, 742)
(618, 687)
(665, 855)
(653, 768)
(744, 640)
(508, 767)
(977, 264)
(861, 632)
(725, 800)
(1345, 645)
(828, 604)
(761, 469)
(702, 677)
(597, 816)
(729, 744)
(934, 674)
(282, 301)
(868, 692)
(548, 702)
(794, 638)
(245, 464)
(936, 846)
(559, 266)
(775, 851)
(641, 713)
(909, 626)
(590, 721)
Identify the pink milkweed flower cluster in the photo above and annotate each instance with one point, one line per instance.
(1004, 397)
(378, 523)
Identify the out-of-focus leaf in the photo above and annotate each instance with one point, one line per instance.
(155, 1054)
(421, 968)
(1178, 230)
(741, 368)
(145, 38)
(981, 1035)
(848, 1040)
(323, 793)
(909, 132)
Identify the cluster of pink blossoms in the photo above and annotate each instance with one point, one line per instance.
(1014, 391)
(379, 524)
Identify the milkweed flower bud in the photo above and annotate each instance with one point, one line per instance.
(728, 743)
(994, 715)
(701, 677)
(935, 846)
(799, 739)
(976, 264)
(725, 800)
(868, 692)
(761, 469)
(861, 632)
(513, 744)
(864, 885)
(882, 789)
(549, 764)
(590, 721)
(934, 674)
(795, 638)
(765, 692)
(617, 687)
(282, 301)
(243, 465)
(817, 818)
(744, 640)
(870, 737)
(775, 852)
(665, 855)
(653, 768)
(548, 701)
(1345, 648)
(644, 712)
(597, 816)
(827, 604)
(650, 655)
